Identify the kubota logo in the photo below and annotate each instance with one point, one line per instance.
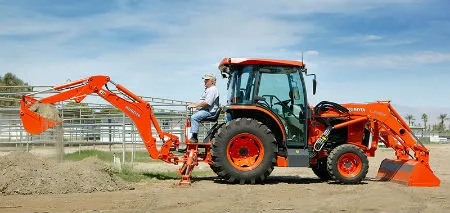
(356, 109)
(133, 112)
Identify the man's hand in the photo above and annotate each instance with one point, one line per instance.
(191, 106)
(199, 105)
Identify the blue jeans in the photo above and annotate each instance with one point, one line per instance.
(196, 118)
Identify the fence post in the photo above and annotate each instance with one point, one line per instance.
(109, 133)
(123, 138)
(132, 145)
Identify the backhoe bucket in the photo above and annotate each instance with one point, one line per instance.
(38, 117)
(407, 172)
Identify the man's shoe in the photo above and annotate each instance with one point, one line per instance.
(193, 140)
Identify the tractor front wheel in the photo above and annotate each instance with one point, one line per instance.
(244, 151)
(347, 164)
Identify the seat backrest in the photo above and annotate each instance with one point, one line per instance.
(214, 117)
(240, 96)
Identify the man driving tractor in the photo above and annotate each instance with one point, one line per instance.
(208, 105)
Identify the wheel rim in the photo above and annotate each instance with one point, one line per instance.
(349, 165)
(245, 151)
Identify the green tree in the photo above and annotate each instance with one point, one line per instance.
(443, 118)
(425, 120)
(410, 118)
(435, 127)
(10, 87)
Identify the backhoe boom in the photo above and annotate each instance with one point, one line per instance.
(137, 109)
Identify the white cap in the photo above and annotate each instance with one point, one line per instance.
(209, 76)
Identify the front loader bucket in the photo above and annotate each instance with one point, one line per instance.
(407, 172)
(37, 117)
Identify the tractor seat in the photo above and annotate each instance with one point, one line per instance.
(214, 117)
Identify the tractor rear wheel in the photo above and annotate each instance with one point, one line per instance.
(244, 151)
(347, 164)
(320, 169)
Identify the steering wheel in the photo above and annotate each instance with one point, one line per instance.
(283, 103)
(270, 103)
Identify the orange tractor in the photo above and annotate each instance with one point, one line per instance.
(269, 123)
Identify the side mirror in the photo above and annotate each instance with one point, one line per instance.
(314, 86)
(314, 82)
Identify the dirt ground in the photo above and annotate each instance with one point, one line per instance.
(287, 190)
(26, 173)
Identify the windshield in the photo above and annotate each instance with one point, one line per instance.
(276, 84)
(241, 86)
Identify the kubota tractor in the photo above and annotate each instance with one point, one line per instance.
(269, 123)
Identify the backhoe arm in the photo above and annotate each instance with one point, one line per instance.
(137, 109)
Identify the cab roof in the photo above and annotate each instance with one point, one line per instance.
(262, 61)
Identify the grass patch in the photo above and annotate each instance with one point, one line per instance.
(129, 174)
(141, 156)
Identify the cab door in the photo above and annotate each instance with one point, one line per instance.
(281, 90)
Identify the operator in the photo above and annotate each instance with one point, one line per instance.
(208, 105)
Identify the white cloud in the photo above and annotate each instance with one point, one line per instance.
(398, 60)
(359, 38)
(322, 6)
(312, 52)
(372, 38)
(375, 40)
(429, 57)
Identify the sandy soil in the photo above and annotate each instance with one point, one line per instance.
(48, 111)
(287, 190)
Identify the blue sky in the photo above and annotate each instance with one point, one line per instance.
(361, 51)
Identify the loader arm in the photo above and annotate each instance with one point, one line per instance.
(386, 125)
(137, 109)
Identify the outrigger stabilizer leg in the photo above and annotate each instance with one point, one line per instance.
(191, 159)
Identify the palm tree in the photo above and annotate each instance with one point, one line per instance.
(410, 118)
(425, 120)
(443, 118)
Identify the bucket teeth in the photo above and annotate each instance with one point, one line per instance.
(407, 172)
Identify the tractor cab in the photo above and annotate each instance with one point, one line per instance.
(272, 92)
